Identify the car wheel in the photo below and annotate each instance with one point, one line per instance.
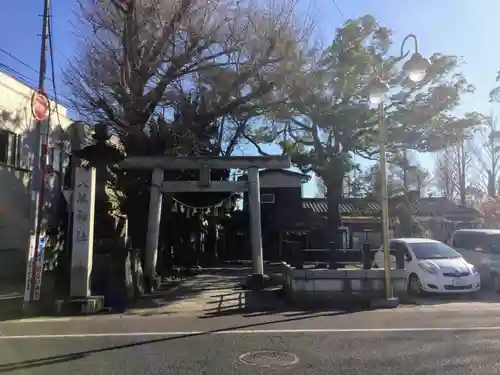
(495, 282)
(414, 285)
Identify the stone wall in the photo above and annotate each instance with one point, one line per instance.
(117, 277)
(324, 285)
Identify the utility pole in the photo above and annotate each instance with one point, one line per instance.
(39, 165)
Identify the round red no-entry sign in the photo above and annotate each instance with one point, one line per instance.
(40, 105)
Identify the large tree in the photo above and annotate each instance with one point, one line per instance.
(141, 59)
(181, 77)
(486, 150)
(401, 178)
(452, 170)
(328, 120)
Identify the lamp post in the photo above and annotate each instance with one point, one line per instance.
(415, 69)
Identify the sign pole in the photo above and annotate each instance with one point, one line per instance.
(39, 165)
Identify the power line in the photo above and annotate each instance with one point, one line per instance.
(51, 51)
(338, 8)
(30, 81)
(18, 60)
(25, 80)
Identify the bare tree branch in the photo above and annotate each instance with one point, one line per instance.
(453, 165)
(143, 57)
(486, 149)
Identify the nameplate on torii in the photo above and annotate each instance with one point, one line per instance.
(204, 184)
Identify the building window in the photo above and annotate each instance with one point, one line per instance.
(58, 159)
(59, 163)
(267, 198)
(9, 148)
(55, 159)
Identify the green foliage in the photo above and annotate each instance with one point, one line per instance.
(328, 119)
(401, 178)
(371, 181)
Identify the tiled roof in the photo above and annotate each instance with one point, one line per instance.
(286, 171)
(435, 206)
(438, 206)
(304, 177)
(318, 206)
(292, 217)
(348, 206)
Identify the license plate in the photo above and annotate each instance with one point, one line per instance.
(458, 282)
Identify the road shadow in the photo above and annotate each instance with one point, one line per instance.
(184, 290)
(246, 303)
(272, 301)
(24, 365)
(451, 361)
(221, 291)
(39, 362)
(211, 293)
(172, 291)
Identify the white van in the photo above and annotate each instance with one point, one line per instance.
(481, 248)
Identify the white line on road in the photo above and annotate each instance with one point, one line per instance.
(240, 332)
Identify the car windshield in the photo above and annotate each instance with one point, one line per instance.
(433, 250)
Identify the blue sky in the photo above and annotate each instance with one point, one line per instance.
(464, 28)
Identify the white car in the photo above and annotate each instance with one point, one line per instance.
(432, 266)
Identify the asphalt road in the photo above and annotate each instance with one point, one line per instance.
(402, 341)
(318, 353)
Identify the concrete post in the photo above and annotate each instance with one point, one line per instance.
(385, 201)
(255, 222)
(367, 256)
(154, 218)
(83, 232)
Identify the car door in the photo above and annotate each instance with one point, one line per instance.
(487, 258)
(494, 252)
(470, 245)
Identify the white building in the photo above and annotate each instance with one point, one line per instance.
(17, 145)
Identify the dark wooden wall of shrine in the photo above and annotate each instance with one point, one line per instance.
(276, 216)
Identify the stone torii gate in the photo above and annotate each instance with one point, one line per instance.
(158, 186)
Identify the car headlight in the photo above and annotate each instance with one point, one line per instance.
(428, 268)
(473, 269)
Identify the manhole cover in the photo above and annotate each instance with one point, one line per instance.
(269, 359)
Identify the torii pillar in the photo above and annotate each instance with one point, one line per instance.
(159, 164)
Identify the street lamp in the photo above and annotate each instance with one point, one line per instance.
(417, 66)
(415, 69)
(378, 91)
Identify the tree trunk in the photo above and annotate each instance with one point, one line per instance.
(406, 217)
(334, 218)
(491, 184)
(463, 196)
(405, 222)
